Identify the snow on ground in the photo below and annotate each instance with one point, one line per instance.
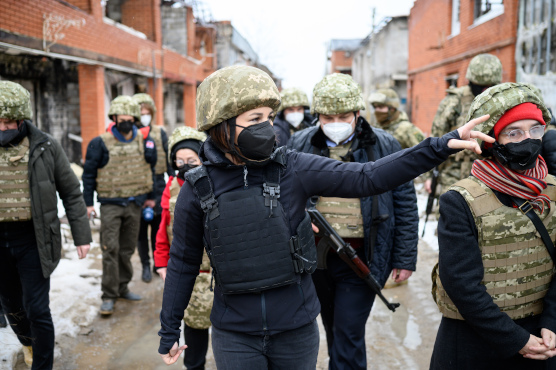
(430, 228)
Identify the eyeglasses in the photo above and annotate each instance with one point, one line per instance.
(516, 135)
(191, 162)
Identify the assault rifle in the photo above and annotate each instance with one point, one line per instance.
(348, 255)
(432, 195)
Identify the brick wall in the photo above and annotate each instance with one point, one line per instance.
(435, 54)
(91, 90)
(339, 62)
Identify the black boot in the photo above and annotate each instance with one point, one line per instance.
(147, 276)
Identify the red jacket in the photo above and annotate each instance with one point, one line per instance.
(162, 251)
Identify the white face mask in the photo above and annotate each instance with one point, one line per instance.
(337, 131)
(294, 118)
(146, 120)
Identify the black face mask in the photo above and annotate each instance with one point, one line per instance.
(7, 136)
(257, 141)
(184, 169)
(518, 156)
(477, 89)
(125, 127)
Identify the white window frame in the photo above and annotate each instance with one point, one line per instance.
(488, 16)
(456, 22)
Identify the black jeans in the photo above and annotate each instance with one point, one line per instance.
(24, 295)
(293, 349)
(197, 340)
(143, 242)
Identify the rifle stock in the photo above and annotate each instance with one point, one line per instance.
(432, 196)
(348, 255)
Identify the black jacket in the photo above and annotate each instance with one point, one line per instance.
(486, 334)
(304, 175)
(396, 245)
(97, 157)
(549, 150)
(282, 127)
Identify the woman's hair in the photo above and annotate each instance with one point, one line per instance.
(149, 107)
(220, 136)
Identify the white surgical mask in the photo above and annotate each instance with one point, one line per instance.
(146, 120)
(337, 131)
(294, 118)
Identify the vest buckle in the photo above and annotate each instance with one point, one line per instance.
(271, 194)
(525, 207)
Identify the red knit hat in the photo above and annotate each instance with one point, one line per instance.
(519, 112)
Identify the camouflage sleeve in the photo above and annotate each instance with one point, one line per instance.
(446, 116)
(409, 135)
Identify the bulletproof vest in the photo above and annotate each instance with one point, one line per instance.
(174, 192)
(343, 214)
(161, 155)
(248, 239)
(458, 166)
(127, 173)
(15, 195)
(517, 266)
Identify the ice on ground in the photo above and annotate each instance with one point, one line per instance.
(412, 339)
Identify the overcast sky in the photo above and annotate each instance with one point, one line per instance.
(290, 36)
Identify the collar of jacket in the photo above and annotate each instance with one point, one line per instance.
(364, 133)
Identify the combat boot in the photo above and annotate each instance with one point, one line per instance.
(147, 276)
(107, 307)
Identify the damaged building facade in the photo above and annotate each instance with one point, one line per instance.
(75, 56)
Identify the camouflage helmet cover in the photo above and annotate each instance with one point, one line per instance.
(536, 90)
(386, 97)
(337, 93)
(293, 97)
(15, 101)
(143, 98)
(484, 70)
(498, 99)
(183, 133)
(125, 105)
(232, 91)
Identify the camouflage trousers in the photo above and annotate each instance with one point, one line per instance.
(119, 230)
(197, 314)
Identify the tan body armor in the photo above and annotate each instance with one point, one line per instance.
(517, 266)
(197, 314)
(343, 214)
(156, 135)
(127, 173)
(15, 196)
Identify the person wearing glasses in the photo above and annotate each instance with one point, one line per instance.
(496, 230)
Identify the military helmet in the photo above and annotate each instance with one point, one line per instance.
(15, 101)
(337, 93)
(232, 91)
(386, 97)
(125, 105)
(293, 97)
(183, 133)
(484, 70)
(536, 90)
(143, 98)
(498, 99)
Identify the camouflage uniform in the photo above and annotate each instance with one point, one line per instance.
(483, 70)
(291, 97)
(398, 124)
(516, 269)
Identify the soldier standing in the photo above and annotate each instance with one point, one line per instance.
(184, 144)
(149, 128)
(33, 167)
(381, 228)
(292, 116)
(494, 280)
(391, 119)
(484, 71)
(118, 166)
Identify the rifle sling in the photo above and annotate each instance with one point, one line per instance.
(527, 209)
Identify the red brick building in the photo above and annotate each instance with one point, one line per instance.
(76, 55)
(340, 55)
(444, 35)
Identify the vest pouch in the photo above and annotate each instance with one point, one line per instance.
(303, 248)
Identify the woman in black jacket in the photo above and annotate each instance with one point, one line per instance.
(246, 205)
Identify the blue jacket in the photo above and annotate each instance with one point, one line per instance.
(304, 175)
(396, 245)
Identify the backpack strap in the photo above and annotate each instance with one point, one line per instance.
(200, 180)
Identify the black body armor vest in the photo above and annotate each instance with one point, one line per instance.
(249, 242)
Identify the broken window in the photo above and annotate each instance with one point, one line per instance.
(487, 9)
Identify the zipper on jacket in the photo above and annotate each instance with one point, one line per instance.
(245, 183)
(263, 309)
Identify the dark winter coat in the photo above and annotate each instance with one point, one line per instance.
(396, 245)
(97, 157)
(50, 172)
(488, 338)
(304, 175)
(549, 150)
(282, 127)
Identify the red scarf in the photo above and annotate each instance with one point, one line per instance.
(528, 185)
